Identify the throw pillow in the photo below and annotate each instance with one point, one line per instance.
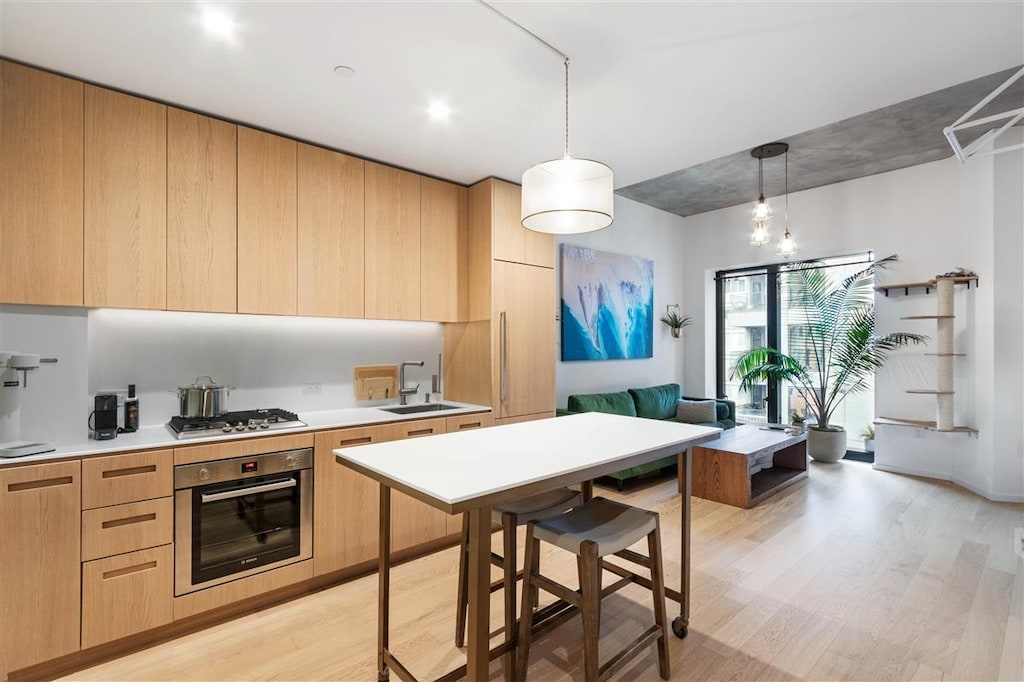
(695, 411)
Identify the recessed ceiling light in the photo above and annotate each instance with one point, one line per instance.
(343, 71)
(218, 23)
(439, 111)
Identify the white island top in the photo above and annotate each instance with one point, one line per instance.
(457, 471)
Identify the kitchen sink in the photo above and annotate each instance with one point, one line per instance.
(414, 409)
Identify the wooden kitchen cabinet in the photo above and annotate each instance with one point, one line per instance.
(41, 194)
(126, 594)
(444, 216)
(505, 355)
(125, 224)
(40, 584)
(201, 213)
(413, 522)
(511, 241)
(131, 477)
(267, 232)
(346, 504)
(392, 243)
(330, 233)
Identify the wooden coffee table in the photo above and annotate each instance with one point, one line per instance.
(721, 468)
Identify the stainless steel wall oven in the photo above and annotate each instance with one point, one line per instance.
(237, 517)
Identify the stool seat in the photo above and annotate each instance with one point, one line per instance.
(610, 525)
(540, 506)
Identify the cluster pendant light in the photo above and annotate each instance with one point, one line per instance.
(762, 214)
(566, 195)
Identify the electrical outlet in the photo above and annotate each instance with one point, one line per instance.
(312, 388)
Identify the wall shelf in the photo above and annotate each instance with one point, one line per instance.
(944, 286)
(920, 424)
(927, 286)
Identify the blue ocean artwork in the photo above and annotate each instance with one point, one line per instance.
(607, 305)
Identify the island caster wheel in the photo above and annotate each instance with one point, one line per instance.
(678, 628)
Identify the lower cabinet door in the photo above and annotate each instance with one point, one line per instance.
(126, 594)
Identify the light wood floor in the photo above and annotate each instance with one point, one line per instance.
(853, 574)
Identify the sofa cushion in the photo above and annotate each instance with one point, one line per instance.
(613, 403)
(656, 402)
(695, 411)
(721, 411)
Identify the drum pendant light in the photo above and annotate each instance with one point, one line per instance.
(567, 195)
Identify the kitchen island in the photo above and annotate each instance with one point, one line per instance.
(472, 471)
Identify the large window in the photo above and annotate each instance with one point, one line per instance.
(756, 308)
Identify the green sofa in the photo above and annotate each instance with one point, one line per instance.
(653, 402)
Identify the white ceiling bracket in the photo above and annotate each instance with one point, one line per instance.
(1012, 118)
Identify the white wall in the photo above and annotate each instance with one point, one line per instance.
(936, 216)
(638, 230)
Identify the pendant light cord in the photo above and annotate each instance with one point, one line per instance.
(787, 191)
(551, 47)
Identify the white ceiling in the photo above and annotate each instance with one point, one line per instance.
(655, 86)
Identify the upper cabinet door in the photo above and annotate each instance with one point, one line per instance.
(443, 251)
(511, 241)
(267, 233)
(201, 183)
(392, 257)
(330, 233)
(41, 128)
(125, 201)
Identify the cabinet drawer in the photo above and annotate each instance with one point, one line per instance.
(127, 478)
(126, 594)
(465, 422)
(415, 429)
(127, 527)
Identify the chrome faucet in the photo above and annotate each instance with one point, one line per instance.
(404, 392)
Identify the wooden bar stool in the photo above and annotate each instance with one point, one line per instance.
(510, 516)
(593, 530)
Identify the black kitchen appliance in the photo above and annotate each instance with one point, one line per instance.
(104, 425)
(245, 421)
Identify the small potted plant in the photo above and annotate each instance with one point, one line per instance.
(675, 322)
(868, 434)
(797, 420)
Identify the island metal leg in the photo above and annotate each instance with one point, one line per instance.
(478, 630)
(383, 584)
(681, 623)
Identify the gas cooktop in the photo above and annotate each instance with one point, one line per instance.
(247, 421)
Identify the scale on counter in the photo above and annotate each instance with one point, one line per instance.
(11, 444)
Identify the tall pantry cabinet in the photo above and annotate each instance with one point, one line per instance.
(505, 356)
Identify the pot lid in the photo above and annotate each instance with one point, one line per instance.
(208, 383)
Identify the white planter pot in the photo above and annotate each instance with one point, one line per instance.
(869, 445)
(826, 444)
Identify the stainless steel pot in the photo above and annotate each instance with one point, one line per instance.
(203, 398)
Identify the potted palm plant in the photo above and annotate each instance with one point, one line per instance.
(839, 347)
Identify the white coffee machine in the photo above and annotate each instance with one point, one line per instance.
(14, 369)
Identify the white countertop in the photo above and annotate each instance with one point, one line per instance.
(456, 468)
(150, 437)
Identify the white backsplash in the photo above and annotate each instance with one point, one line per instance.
(267, 358)
(53, 404)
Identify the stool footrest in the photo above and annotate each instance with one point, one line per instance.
(637, 646)
(560, 591)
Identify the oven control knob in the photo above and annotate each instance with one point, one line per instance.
(289, 460)
(252, 427)
(240, 427)
(264, 424)
(204, 474)
(226, 429)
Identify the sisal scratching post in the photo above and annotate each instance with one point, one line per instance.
(944, 346)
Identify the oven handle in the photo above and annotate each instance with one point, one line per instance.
(241, 492)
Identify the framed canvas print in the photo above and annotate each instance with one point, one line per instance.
(607, 305)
